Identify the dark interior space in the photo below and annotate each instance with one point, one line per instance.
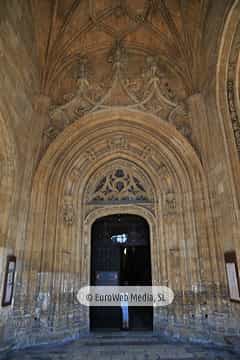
(121, 256)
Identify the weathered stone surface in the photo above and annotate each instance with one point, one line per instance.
(86, 87)
(134, 347)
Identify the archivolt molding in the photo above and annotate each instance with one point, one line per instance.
(59, 232)
(88, 145)
(152, 131)
(120, 135)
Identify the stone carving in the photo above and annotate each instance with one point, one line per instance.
(170, 204)
(156, 83)
(120, 185)
(51, 133)
(91, 155)
(232, 90)
(68, 211)
(142, 16)
(179, 117)
(149, 92)
(147, 152)
(117, 143)
(122, 8)
(234, 114)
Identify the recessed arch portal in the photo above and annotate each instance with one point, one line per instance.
(167, 187)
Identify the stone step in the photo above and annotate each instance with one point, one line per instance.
(123, 341)
(122, 338)
(124, 351)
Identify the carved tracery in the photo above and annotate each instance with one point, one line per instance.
(120, 184)
(147, 92)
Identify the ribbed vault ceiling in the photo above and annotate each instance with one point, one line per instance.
(183, 35)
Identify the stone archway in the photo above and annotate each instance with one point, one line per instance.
(175, 206)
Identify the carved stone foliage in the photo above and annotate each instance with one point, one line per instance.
(122, 185)
(233, 113)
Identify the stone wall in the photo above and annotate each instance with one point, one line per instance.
(159, 81)
(19, 83)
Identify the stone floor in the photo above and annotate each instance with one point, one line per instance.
(128, 348)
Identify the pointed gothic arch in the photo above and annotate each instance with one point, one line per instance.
(58, 238)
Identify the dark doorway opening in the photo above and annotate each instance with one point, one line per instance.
(121, 256)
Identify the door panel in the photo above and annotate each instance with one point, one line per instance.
(121, 256)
